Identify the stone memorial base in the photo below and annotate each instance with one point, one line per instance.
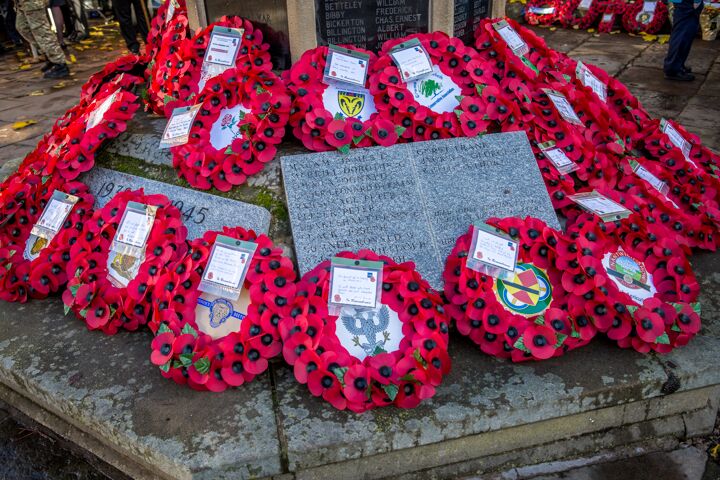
(103, 394)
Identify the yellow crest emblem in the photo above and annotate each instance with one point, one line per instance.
(351, 103)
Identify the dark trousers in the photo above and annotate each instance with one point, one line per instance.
(124, 17)
(686, 21)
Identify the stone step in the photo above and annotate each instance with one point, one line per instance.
(488, 415)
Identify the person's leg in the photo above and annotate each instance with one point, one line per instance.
(141, 17)
(124, 17)
(59, 25)
(677, 49)
(22, 25)
(10, 17)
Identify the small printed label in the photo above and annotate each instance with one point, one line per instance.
(355, 283)
(558, 158)
(178, 127)
(676, 138)
(492, 252)
(54, 214)
(630, 275)
(97, 115)
(601, 206)
(347, 66)
(585, 4)
(563, 106)
(649, 7)
(608, 18)
(227, 266)
(221, 53)
(412, 60)
(645, 174)
(511, 37)
(587, 78)
(134, 229)
(542, 10)
(170, 10)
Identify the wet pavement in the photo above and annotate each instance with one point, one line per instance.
(27, 453)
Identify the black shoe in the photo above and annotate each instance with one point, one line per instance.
(48, 65)
(680, 76)
(135, 49)
(686, 69)
(58, 71)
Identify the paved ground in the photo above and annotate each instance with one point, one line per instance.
(25, 453)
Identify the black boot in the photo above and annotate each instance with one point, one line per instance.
(58, 70)
(48, 65)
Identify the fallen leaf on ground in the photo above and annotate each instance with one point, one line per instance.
(73, 58)
(60, 85)
(36, 93)
(24, 66)
(20, 124)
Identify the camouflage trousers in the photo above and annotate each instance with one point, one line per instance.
(33, 24)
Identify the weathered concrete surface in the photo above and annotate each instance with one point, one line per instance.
(105, 387)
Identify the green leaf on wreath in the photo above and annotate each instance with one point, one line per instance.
(229, 151)
(73, 289)
(480, 88)
(540, 320)
(677, 306)
(46, 178)
(167, 99)
(632, 309)
(202, 365)
(696, 307)
(78, 272)
(188, 329)
(391, 391)
(83, 312)
(340, 374)
(378, 350)
(66, 308)
(399, 130)
(663, 339)
(166, 368)
(408, 377)
(344, 149)
(358, 139)
(458, 113)
(186, 359)
(259, 90)
(419, 358)
(520, 345)
(675, 328)
(163, 329)
(560, 339)
(339, 116)
(177, 364)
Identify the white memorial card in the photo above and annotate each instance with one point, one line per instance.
(178, 127)
(98, 113)
(227, 266)
(412, 60)
(347, 66)
(492, 252)
(601, 206)
(511, 37)
(355, 283)
(563, 106)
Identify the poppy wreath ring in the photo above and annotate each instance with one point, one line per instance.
(235, 132)
(404, 349)
(636, 20)
(160, 25)
(90, 294)
(526, 316)
(572, 16)
(29, 193)
(649, 290)
(541, 12)
(184, 351)
(328, 117)
(71, 148)
(184, 69)
(428, 108)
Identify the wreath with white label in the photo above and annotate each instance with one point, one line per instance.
(184, 70)
(227, 343)
(90, 294)
(578, 14)
(636, 19)
(395, 354)
(241, 121)
(647, 291)
(526, 315)
(542, 12)
(35, 266)
(339, 116)
(430, 107)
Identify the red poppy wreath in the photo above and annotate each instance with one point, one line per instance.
(161, 23)
(525, 316)
(637, 18)
(338, 116)
(209, 342)
(110, 289)
(580, 14)
(364, 359)
(236, 131)
(185, 77)
(542, 12)
(430, 107)
(647, 286)
(36, 231)
(71, 148)
(125, 72)
(611, 11)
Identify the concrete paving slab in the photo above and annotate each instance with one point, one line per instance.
(642, 79)
(107, 388)
(702, 56)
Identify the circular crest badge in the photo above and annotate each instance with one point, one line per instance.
(627, 270)
(529, 293)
